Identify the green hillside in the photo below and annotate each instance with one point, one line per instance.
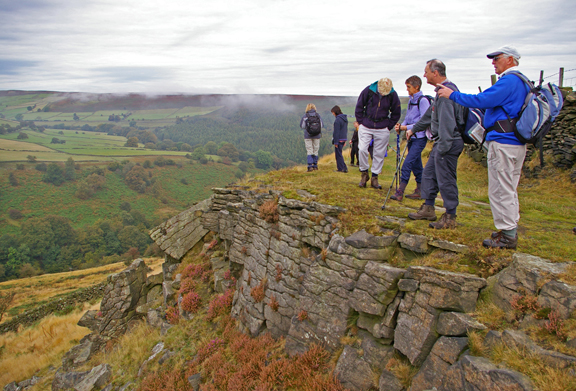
(70, 216)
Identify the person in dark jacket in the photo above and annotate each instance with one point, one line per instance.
(339, 137)
(312, 142)
(440, 173)
(377, 111)
(354, 146)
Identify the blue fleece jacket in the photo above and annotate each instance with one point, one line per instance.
(509, 93)
(340, 128)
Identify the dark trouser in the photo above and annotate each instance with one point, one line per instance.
(440, 175)
(413, 161)
(354, 152)
(340, 165)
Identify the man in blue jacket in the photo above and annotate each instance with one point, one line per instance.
(505, 152)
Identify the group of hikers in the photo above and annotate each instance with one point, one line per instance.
(378, 111)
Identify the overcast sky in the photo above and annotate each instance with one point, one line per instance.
(273, 46)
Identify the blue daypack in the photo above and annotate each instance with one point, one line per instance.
(540, 109)
(471, 117)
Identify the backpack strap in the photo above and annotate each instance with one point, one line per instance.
(417, 102)
(461, 125)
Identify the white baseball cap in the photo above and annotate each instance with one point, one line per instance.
(507, 49)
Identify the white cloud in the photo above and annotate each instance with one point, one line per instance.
(287, 47)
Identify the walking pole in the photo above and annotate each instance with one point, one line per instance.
(395, 177)
(397, 156)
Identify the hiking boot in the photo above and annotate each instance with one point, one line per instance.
(416, 195)
(574, 230)
(364, 179)
(426, 212)
(447, 221)
(399, 192)
(310, 169)
(499, 240)
(374, 183)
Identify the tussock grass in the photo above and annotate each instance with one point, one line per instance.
(35, 349)
(128, 352)
(402, 369)
(543, 376)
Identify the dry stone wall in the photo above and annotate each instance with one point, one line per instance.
(561, 140)
(59, 304)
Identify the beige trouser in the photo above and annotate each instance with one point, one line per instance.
(504, 169)
(381, 138)
(312, 146)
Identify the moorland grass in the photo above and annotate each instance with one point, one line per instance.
(40, 347)
(545, 227)
(33, 350)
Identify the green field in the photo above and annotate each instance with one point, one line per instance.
(82, 146)
(11, 106)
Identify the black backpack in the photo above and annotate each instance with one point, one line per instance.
(313, 124)
(428, 98)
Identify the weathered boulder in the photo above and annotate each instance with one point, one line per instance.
(416, 243)
(376, 288)
(444, 353)
(67, 380)
(121, 297)
(339, 245)
(353, 372)
(447, 290)
(12, 387)
(91, 320)
(97, 378)
(419, 311)
(156, 350)
(179, 234)
(558, 296)
(457, 324)
(363, 239)
(479, 374)
(195, 381)
(450, 246)
(375, 353)
(525, 276)
(389, 382)
(81, 353)
(154, 318)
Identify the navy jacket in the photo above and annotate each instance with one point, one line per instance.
(340, 128)
(375, 111)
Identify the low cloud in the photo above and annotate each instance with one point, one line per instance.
(131, 74)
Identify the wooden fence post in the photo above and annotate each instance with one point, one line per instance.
(494, 79)
(541, 78)
(561, 81)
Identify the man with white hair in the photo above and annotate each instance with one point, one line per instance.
(377, 111)
(503, 102)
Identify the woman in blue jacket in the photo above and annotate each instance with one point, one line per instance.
(339, 137)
